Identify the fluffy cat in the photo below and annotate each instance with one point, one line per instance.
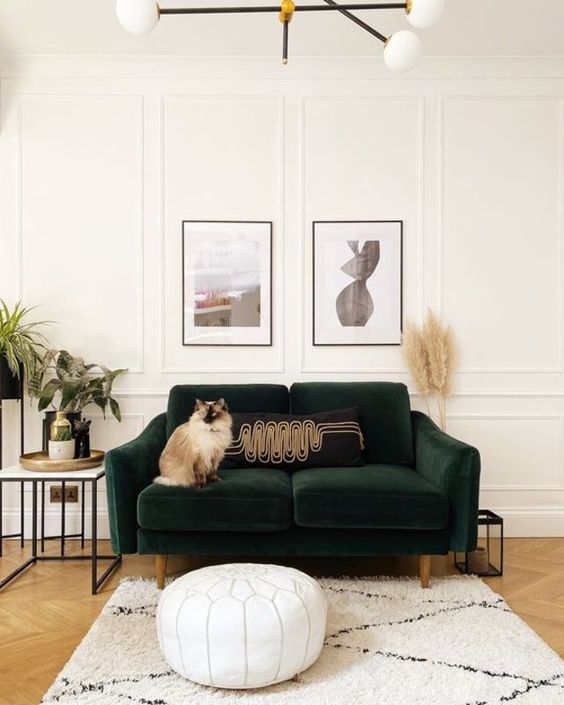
(196, 448)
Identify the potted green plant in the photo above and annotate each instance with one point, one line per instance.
(74, 385)
(21, 348)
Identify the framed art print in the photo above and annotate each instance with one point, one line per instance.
(357, 282)
(226, 282)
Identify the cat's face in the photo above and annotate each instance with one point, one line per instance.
(211, 412)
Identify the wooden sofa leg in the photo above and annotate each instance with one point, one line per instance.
(425, 570)
(161, 569)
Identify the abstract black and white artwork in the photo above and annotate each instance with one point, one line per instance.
(357, 282)
(227, 282)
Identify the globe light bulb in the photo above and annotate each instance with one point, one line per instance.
(402, 51)
(424, 13)
(137, 16)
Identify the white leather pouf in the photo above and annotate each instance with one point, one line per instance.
(241, 625)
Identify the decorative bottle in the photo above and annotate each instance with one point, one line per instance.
(61, 429)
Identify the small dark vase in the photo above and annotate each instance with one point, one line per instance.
(72, 416)
(10, 386)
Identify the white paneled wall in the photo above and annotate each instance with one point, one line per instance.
(502, 231)
(81, 219)
(101, 160)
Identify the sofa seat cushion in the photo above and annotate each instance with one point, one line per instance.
(246, 499)
(369, 497)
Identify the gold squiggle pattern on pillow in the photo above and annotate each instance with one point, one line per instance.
(285, 441)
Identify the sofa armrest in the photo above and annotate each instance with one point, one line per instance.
(129, 469)
(454, 467)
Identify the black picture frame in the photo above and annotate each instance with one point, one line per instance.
(313, 282)
(268, 223)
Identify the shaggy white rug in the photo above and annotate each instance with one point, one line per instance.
(388, 642)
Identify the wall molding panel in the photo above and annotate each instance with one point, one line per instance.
(245, 363)
(115, 151)
(28, 99)
(417, 232)
(513, 100)
(558, 461)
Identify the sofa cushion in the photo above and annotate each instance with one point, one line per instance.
(371, 497)
(383, 412)
(239, 397)
(292, 442)
(246, 499)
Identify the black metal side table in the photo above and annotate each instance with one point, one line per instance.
(86, 477)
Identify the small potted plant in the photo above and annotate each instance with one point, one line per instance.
(73, 386)
(61, 443)
(21, 348)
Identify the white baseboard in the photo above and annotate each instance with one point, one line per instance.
(532, 522)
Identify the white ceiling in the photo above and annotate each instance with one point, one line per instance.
(468, 28)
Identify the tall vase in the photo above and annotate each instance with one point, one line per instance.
(50, 416)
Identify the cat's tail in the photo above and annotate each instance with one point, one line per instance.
(162, 480)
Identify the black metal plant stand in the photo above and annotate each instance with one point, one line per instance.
(488, 519)
(19, 398)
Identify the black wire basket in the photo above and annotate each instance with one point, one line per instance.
(490, 544)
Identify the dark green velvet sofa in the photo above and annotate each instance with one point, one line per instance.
(416, 494)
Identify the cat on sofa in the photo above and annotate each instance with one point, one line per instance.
(196, 448)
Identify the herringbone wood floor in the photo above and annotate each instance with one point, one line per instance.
(46, 612)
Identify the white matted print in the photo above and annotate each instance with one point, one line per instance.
(227, 282)
(357, 282)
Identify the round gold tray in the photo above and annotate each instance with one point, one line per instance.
(40, 462)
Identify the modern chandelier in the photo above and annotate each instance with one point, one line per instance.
(401, 49)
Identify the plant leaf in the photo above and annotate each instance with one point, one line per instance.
(47, 393)
(114, 406)
(101, 402)
(20, 340)
(70, 388)
(42, 364)
(77, 381)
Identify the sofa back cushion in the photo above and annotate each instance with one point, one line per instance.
(383, 411)
(239, 397)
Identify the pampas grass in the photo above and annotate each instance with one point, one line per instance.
(429, 352)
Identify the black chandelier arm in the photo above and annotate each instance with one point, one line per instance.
(285, 41)
(276, 8)
(358, 21)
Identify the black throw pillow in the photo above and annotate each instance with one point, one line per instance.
(327, 439)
